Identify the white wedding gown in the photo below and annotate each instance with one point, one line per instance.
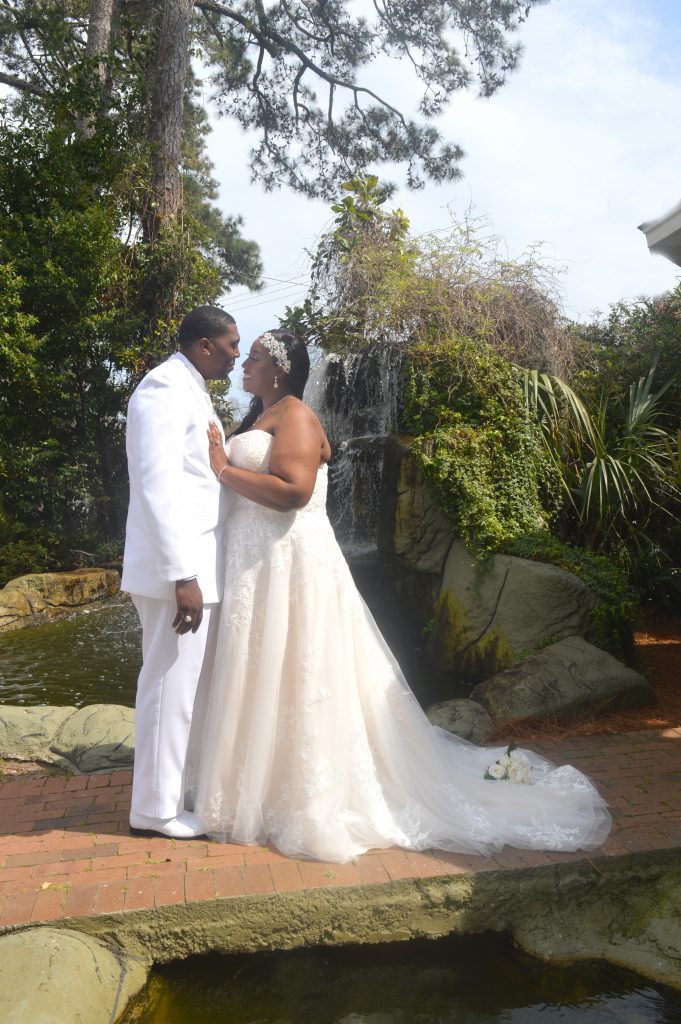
(311, 738)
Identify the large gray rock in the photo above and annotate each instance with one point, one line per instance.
(565, 677)
(410, 524)
(464, 718)
(489, 616)
(98, 737)
(26, 733)
(55, 976)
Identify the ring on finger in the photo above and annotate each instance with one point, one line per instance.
(186, 618)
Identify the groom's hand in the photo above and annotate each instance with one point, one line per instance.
(189, 607)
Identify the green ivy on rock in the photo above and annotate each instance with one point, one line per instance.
(478, 448)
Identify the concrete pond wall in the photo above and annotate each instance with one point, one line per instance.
(626, 910)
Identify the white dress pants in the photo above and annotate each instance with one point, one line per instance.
(173, 668)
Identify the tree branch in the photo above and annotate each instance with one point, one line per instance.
(213, 27)
(296, 85)
(258, 67)
(296, 21)
(269, 38)
(19, 83)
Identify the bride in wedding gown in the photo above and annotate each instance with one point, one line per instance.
(310, 737)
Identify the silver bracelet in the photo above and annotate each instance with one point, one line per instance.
(221, 472)
(187, 579)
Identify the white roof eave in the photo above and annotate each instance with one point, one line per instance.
(664, 235)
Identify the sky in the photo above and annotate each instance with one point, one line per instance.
(579, 147)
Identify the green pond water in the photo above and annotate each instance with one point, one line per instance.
(471, 980)
(94, 657)
(88, 658)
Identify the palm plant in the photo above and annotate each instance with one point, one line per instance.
(617, 476)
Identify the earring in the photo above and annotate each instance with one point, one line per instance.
(276, 382)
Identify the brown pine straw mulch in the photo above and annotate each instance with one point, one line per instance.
(658, 644)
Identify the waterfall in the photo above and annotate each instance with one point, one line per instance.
(357, 398)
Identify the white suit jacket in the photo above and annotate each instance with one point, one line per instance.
(177, 507)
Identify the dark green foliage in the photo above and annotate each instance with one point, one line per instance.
(610, 622)
(483, 455)
(24, 550)
(455, 310)
(86, 307)
(620, 467)
(622, 346)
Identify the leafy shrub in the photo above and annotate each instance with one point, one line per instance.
(23, 551)
(481, 452)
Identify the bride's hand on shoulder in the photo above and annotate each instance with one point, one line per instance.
(216, 451)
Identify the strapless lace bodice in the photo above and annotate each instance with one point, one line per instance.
(252, 451)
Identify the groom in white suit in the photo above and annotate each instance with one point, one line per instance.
(173, 563)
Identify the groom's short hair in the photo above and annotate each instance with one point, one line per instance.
(203, 322)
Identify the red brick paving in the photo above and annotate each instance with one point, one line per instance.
(66, 850)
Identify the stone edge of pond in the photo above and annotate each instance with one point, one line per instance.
(94, 738)
(63, 976)
(101, 737)
(625, 909)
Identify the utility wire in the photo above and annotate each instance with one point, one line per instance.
(262, 301)
(282, 285)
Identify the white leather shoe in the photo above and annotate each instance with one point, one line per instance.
(184, 826)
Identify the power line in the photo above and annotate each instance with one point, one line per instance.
(237, 300)
(248, 293)
(265, 301)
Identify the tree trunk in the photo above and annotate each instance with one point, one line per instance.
(99, 32)
(165, 129)
(103, 14)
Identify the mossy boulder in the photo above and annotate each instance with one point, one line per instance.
(41, 596)
(26, 733)
(98, 737)
(489, 616)
(562, 679)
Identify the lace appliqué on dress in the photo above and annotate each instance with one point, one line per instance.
(313, 740)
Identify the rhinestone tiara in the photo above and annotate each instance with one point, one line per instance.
(276, 349)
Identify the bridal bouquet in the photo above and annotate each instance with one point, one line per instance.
(512, 766)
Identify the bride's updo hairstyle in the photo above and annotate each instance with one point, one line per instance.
(291, 383)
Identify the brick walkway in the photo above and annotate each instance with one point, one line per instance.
(66, 850)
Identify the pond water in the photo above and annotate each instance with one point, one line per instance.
(469, 980)
(88, 658)
(94, 657)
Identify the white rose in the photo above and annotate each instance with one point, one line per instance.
(504, 761)
(497, 770)
(518, 757)
(519, 773)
